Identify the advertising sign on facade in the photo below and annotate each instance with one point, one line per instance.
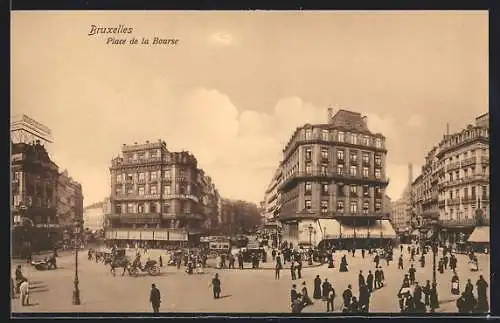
(177, 236)
(122, 234)
(134, 235)
(146, 235)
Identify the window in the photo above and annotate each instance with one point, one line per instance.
(378, 206)
(340, 169)
(130, 189)
(118, 209)
(473, 192)
(130, 208)
(365, 207)
(152, 190)
(308, 187)
(325, 134)
(377, 160)
(140, 156)
(340, 154)
(324, 188)
(140, 208)
(366, 158)
(167, 190)
(353, 171)
(451, 195)
(354, 157)
(366, 140)
(365, 172)
(354, 139)
(152, 208)
(366, 191)
(324, 206)
(141, 190)
(324, 154)
(142, 176)
(340, 136)
(377, 173)
(181, 173)
(166, 174)
(378, 143)
(466, 213)
(153, 153)
(308, 153)
(353, 207)
(341, 190)
(130, 177)
(354, 190)
(308, 134)
(485, 191)
(308, 168)
(378, 191)
(152, 176)
(340, 206)
(308, 205)
(118, 191)
(119, 178)
(165, 207)
(466, 193)
(324, 170)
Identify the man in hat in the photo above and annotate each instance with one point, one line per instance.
(215, 284)
(305, 296)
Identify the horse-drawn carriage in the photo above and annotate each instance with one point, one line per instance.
(119, 259)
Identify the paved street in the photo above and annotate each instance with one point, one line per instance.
(242, 291)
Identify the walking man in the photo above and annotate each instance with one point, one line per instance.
(215, 284)
(155, 298)
(412, 271)
(400, 262)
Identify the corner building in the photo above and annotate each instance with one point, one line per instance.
(333, 186)
(157, 197)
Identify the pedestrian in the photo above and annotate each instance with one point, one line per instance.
(382, 277)
(400, 262)
(343, 264)
(294, 295)
(273, 254)
(377, 279)
(455, 284)
(330, 300)
(469, 288)
(215, 284)
(417, 295)
(292, 270)
(326, 289)
(369, 281)
(445, 262)
(422, 261)
(412, 272)
(160, 260)
(354, 306)
(277, 269)
(364, 298)
(299, 269)
(482, 300)
(427, 292)
(412, 254)
(353, 251)
(401, 248)
(305, 295)
(347, 298)
(376, 260)
(155, 298)
(441, 266)
(361, 279)
(24, 293)
(317, 288)
(363, 253)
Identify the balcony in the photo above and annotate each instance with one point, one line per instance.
(453, 201)
(469, 161)
(378, 164)
(431, 215)
(458, 223)
(442, 203)
(485, 160)
(345, 215)
(353, 162)
(366, 163)
(136, 218)
(323, 160)
(340, 161)
(182, 197)
(136, 197)
(453, 166)
(469, 200)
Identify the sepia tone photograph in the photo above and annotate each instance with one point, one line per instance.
(250, 162)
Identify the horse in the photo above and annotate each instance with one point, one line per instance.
(117, 263)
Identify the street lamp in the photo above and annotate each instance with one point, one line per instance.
(434, 245)
(310, 228)
(76, 291)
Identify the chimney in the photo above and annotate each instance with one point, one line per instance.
(364, 118)
(410, 174)
(330, 114)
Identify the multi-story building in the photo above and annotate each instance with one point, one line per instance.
(157, 196)
(33, 199)
(69, 201)
(272, 197)
(402, 207)
(333, 184)
(454, 185)
(93, 216)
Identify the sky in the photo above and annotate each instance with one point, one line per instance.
(236, 85)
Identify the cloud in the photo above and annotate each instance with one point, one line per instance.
(385, 125)
(221, 38)
(415, 120)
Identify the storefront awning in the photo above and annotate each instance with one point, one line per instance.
(333, 229)
(480, 235)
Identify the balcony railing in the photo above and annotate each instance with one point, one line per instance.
(458, 222)
(452, 166)
(453, 201)
(182, 196)
(135, 197)
(469, 161)
(485, 160)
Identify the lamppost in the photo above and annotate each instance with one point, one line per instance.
(76, 291)
(434, 245)
(310, 228)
